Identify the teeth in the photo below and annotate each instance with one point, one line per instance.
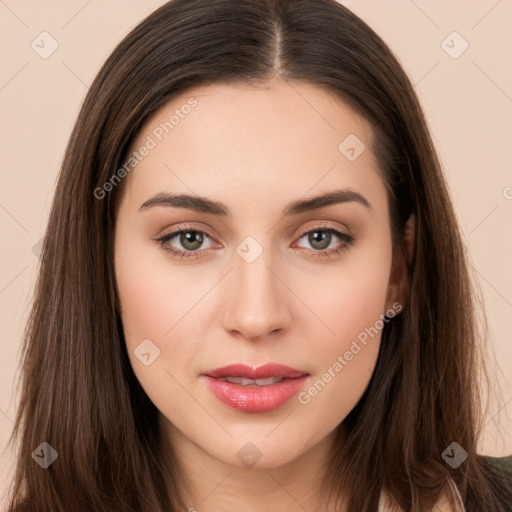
(267, 382)
(233, 380)
(250, 382)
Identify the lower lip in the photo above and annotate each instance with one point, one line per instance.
(255, 398)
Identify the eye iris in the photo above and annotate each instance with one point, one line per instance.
(191, 237)
(321, 237)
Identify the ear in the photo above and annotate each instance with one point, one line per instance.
(398, 286)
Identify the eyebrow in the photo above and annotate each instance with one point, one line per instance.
(204, 205)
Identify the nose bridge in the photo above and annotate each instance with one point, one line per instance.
(256, 304)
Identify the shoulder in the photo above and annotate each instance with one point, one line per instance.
(502, 463)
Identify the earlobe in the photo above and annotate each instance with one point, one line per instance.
(398, 287)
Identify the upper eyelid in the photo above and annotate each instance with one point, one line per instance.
(186, 228)
(325, 227)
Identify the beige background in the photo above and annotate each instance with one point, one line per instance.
(468, 102)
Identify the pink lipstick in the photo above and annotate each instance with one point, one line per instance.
(250, 389)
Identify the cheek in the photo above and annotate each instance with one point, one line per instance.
(352, 308)
(147, 304)
(350, 296)
(154, 297)
(154, 305)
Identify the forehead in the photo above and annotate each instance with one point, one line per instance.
(287, 135)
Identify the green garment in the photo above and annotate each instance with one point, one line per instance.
(502, 462)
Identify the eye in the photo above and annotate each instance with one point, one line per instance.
(321, 238)
(191, 240)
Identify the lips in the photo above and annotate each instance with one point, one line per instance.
(249, 389)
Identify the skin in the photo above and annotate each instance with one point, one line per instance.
(255, 149)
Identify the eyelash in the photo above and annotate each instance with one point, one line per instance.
(346, 242)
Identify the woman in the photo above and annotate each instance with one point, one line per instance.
(253, 291)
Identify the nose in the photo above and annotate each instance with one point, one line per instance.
(256, 298)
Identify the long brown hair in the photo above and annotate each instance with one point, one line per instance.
(79, 393)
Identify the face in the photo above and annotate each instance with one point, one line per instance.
(252, 316)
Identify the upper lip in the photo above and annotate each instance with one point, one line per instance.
(250, 372)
